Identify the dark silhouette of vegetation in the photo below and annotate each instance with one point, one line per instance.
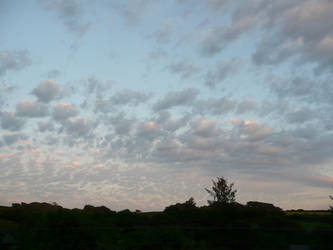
(223, 224)
(186, 206)
(222, 192)
(263, 208)
(331, 207)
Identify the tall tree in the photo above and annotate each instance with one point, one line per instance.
(221, 191)
(331, 207)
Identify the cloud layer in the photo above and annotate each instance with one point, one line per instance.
(158, 97)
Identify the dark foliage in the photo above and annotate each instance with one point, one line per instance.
(331, 207)
(256, 225)
(97, 210)
(261, 208)
(222, 192)
(179, 207)
(223, 224)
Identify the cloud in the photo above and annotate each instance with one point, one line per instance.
(273, 108)
(156, 54)
(125, 145)
(295, 87)
(170, 123)
(208, 146)
(196, 145)
(125, 97)
(53, 74)
(184, 97)
(305, 89)
(298, 30)
(184, 69)
(71, 13)
(95, 91)
(220, 72)
(44, 126)
(47, 91)
(172, 150)
(5, 91)
(122, 125)
(270, 150)
(315, 150)
(103, 105)
(205, 128)
(212, 41)
(78, 127)
(12, 138)
(27, 108)
(308, 133)
(246, 106)
(148, 129)
(63, 111)
(215, 39)
(280, 54)
(302, 29)
(94, 86)
(253, 131)
(313, 179)
(14, 61)
(203, 140)
(217, 3)
(192, 151)
(163, 33)
(300, 116)
(133, 10)
(10, 122)
(129, 97)
(215, 106)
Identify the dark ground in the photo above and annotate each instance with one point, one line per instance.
(182, 226)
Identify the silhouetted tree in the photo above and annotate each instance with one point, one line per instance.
(222, 192)
(190, 202)
(331, 207)
(187, 205)
(261, 208)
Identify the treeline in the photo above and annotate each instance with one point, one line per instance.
(255, 225)
(222, 224)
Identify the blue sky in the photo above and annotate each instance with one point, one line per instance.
(139, 104)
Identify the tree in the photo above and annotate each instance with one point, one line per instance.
(186, 206)
(331, 207)
(190, 203)
(222, 192)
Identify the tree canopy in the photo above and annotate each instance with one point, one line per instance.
(221, 191)
(331, 207)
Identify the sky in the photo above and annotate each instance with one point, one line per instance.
(139, 104)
